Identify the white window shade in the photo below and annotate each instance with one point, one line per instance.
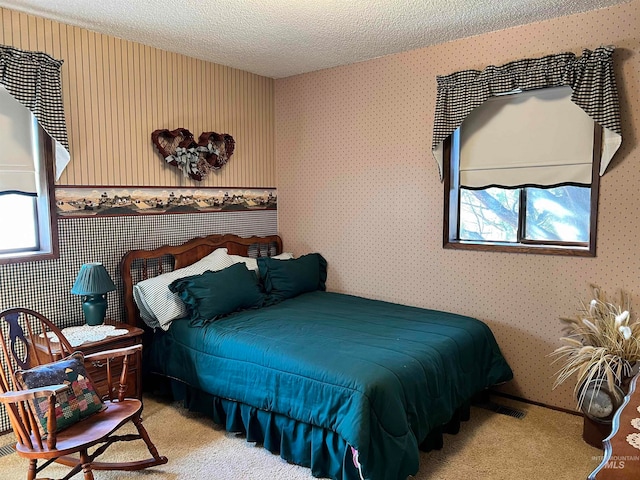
(538, 137)
(17, 168)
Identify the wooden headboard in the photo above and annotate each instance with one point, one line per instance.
(138, 265)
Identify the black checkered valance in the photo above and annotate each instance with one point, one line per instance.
(34, 79)
(590, 77)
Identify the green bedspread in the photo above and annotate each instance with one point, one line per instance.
(380, 375)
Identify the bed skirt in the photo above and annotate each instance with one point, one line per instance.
(325, 452)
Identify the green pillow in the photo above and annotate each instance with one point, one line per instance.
(210, 295)
(77, 402)
(284, 279)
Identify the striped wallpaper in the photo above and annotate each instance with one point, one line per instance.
(117, 92)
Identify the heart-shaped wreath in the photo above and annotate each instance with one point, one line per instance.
(194, 159)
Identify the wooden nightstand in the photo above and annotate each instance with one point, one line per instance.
(99, 374)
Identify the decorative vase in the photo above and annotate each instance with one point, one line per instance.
(94, 308)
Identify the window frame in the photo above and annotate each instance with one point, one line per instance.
(451, 224)
(48, 247)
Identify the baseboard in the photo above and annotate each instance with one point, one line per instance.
(532, 402)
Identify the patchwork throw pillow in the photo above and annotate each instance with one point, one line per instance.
(212, 295)
(284, 279)
(79, 401)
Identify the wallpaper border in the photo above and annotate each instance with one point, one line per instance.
(89, 201)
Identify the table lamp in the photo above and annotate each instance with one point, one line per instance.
(93, 283)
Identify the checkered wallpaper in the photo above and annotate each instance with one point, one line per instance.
(45, 286)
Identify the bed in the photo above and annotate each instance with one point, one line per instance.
(350, 387)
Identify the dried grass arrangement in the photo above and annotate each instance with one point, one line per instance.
(602, 344)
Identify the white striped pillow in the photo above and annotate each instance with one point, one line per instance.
(158, 305)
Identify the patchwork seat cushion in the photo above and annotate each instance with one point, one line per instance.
(79, 401)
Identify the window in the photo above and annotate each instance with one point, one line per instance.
(19, 217)
(27, 204)
(526, 185)
(521, 175)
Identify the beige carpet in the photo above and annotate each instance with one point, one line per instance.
(545, 444)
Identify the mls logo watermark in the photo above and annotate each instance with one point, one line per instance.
(618, 461)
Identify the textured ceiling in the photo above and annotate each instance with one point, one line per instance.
(279, 38)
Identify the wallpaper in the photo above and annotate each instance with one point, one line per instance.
(45, 286)
(117, 92)
(357, 182)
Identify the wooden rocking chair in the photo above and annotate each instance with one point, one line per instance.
(20, 330)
